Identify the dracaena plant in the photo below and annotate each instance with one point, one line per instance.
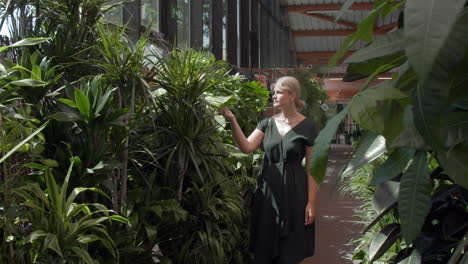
(418, 118)
(63, 230)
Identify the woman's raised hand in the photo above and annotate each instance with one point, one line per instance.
(227, 113)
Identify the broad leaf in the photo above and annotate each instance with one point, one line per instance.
(394, 165)
(410, 136)
(370, 147)
(67, 102)
(25, 42)
(389, 44)
(29, 82)
(365, 107)
(385, 198)
(455, 164)
(383, 241)
(414, 201)
(383, 64)
(414, 258)
(51, 242)
(427, 26)
(318, 162)
(82, 102)
(65, 116)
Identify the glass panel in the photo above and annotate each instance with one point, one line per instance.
(150, 14)
(114, 15)
(225, 30)
(183, 23)
(207, 24)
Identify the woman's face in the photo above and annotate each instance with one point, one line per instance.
(281, 96)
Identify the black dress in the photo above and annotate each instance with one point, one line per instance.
(278, 234)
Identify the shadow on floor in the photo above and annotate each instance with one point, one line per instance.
(335, 224)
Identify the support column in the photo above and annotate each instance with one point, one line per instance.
(232, 32)
(167, 21)
(217, 28)
(245, 33)
(196, 24)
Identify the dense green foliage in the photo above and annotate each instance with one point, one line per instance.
(419, 119)
(314, 95)
(113, 151)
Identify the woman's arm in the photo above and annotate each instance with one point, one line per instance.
(246, 145)
(311, 190)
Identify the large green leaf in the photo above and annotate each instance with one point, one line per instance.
(370, 147)
(428, 23)
(25, 42)
(82, 102)
(29, 82)
(454, 49)
(394, 165)
(318, 162)
(389, 44)
(414, 258)
(365, 107)
(414, 201)
(19, 145)
(455, 164)
(385, 198)
(383, 241)
(409, 137)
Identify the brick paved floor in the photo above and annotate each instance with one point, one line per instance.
(335, 224)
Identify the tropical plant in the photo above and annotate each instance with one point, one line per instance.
(420, 113)
(313, 94)
(61, 229)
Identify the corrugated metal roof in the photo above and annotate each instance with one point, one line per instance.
(310, 44)
(299, 21)
(319, 2)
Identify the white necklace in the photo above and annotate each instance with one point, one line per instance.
(286, 121)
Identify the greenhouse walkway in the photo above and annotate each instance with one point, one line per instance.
(336, 224)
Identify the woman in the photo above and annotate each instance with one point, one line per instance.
(282, 224)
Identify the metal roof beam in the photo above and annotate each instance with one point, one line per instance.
(320, 54)
(328, 7)
(332, 19)
(340, 32)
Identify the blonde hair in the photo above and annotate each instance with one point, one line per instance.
(292, 85)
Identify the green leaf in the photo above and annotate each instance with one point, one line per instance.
(23, 142)
(344, 8)
(36, 166)
(414, 258)
(318, 162)
(25, 42)
(389, 44)
(35, 235)
(385, 198)
(383, 241)
(67, 102)
(428, 23)
(370, 147)
(83, 255)
(119, 218)
(82, 103)
(394, 165)
(50, 163)
(365, 107)
(455, 164)
(29, 82)
(219, 101)
(414, 201)
(377, 65)
(65, 117)
(51, 242)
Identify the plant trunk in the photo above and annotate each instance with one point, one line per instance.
(115, 197)
(124, 174)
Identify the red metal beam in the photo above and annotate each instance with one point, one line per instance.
(332, 19)
(328, 7)
(385, 28)
(340, 32)
(319, 54)
(319, 62)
